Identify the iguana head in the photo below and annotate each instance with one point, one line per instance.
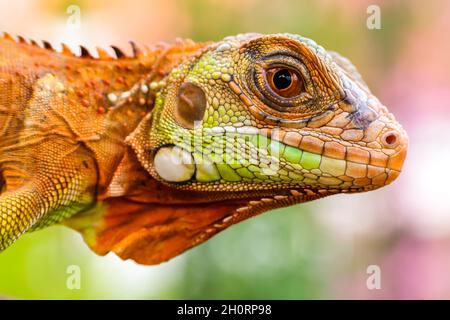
(262, 115)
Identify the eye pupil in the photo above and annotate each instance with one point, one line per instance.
(282, 79)
(284, 82)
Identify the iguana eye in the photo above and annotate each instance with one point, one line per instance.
(284, 82)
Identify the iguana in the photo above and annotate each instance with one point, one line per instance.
(150, 154)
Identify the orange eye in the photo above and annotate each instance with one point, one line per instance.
(284, 82)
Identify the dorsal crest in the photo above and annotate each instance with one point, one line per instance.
(112, 53)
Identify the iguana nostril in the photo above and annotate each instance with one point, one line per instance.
(390, 139)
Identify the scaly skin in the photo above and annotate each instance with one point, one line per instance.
(150, 155)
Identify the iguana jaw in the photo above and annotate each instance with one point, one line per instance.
(294, 153)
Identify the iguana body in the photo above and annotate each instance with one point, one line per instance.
(150, 155)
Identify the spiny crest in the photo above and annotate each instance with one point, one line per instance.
(102, 54)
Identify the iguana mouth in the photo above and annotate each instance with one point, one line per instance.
(323, 144)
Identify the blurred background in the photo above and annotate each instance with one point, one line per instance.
(315, 250)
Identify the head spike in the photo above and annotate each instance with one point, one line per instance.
(136, 50)
(66, 50)
(35, 43)
(119, 53)
(85, 52)
(22, 39)
(7, 36)
(102, 53)
(47, 45)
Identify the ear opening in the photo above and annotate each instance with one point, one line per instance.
(191, 105)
